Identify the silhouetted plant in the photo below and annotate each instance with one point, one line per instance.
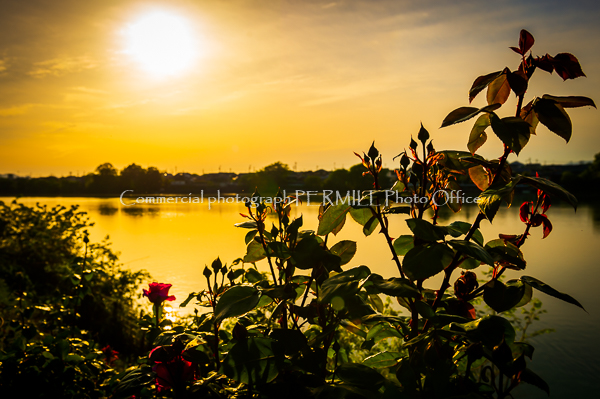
(286, 337)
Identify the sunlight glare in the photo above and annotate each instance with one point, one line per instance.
(162, 44)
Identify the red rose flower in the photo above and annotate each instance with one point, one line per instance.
(158, 293)
(172, 370)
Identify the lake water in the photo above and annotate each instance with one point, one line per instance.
(174, 241)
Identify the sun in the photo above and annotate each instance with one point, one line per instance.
(163, 44)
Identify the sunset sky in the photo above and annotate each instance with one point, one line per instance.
(242, 84)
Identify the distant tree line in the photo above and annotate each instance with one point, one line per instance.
(106, 180)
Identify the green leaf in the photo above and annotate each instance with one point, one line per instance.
(72, 357)
(253, 276)
(383, 360)
(517, 82)
(502, 297)
(469, 264)
(513, 131)
(370, 226)
(546, 289)
(425, 261)
(426, 230)
(362, 214)
(481, 83)
(398, 186)
(188, 299)
(345, 250)
(250, 236)
(293, 341)
(532, 378)
(278, 250)
(246, 225)
(424, 309)
(499, 89)
(489, 200)
(397, 287)
(403, 244)
(353, 328)
(398, 209)
(464, 228)
(549, 187)
(332, 218)
(490, 330)
(382, 331)
(478, 136)
(236, 301)
(506, 252)
(254, 252)
(255, 360)
(473, 250)
(360, 375)
(552, 115)
(480, 176)
(465, 113)
(571, 101)
(458, 161)
(308, 253)
(287, 291)
(343, 284)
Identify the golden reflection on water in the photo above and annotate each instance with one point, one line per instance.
(174, 241)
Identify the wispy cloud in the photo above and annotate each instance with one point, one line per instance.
(3, 66)
(23, 109)
(16, 110)
(88, 90)
(62, 66)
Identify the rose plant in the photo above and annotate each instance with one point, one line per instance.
(282, 333)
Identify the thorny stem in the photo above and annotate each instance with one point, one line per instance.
(478, 220)
(384, 226)
(260, 226)
(521, 241)
(480, 217)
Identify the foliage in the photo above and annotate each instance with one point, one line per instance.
(68, 310)
(286, 333)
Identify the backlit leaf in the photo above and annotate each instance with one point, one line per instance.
(236, 301)
(481, 83)
(382, 360)
(465, 113)
(333, 216)
(552, 115)
(502, 297)
(513, 131)
(549, 187)
(473, 250)
(498, 90)
(571, 101)
(478, 135)
(345, 250)
(546, 289)
(255, 360)
(425, 261)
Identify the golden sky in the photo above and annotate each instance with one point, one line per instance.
(302, 82)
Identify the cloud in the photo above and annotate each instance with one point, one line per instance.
(3, 66)
(88, 90)
(62, 66)
(25, 108)
(16, 110)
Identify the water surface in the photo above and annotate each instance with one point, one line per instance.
(174, 242)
